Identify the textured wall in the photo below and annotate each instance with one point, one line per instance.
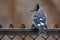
(17, 11)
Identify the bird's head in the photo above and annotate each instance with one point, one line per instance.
(36, 7)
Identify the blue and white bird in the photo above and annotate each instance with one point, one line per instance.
(39, 17)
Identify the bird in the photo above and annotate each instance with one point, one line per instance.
(39, 18)
(39, 15)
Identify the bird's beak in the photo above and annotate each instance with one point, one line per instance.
(33, 10)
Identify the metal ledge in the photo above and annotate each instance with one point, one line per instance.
(18, 31)
(55, 31)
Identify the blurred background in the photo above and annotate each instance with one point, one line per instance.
(16, 12)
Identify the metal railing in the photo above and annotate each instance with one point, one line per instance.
(33, 33)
